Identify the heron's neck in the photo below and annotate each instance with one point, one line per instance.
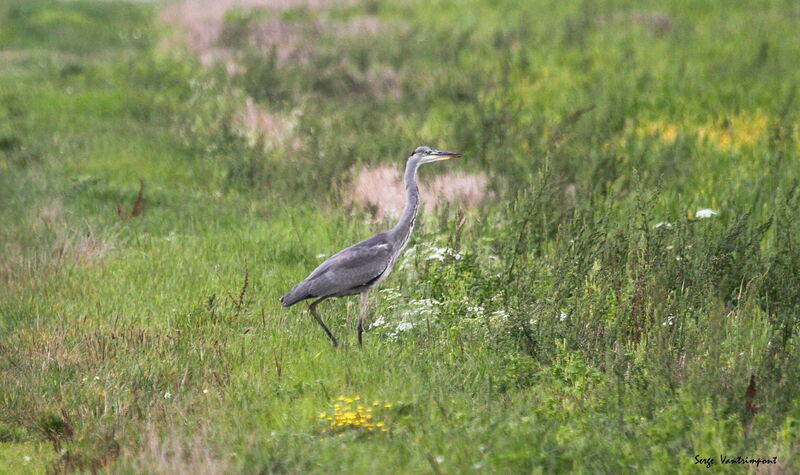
(406, 223)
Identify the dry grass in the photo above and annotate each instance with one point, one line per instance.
(202, 20)
(80, 247)
(257, 122)
(380, 190)
(203, 24)
(173, 454)
(60, 246)
(659, 23)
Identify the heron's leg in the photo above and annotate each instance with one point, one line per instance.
(313, 309)
(363, 307)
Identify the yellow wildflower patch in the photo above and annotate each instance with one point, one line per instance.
(348, 414)
(734, 132)
(664, 131)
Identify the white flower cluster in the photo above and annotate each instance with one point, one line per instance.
(428, 252)
(410, 314)
(705, 213)
(702, 213)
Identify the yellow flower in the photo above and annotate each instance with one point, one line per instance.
(388, 404)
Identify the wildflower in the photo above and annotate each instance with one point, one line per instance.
(663, 224)
(205, 391)
(321, 256)
(26, 458)
(388, 404)
(167, 395)
(499, 315)
(379, 322)
(562, 316)
(705, 213)
(351, 415)
(439, 459)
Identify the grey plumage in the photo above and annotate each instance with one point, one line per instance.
(346, 272)
(360, 267)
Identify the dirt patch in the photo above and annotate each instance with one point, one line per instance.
(380, 191)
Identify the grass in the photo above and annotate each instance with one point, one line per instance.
(583, 319)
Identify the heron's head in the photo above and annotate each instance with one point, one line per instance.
(427, 154)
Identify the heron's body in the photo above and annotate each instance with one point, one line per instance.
(362, 266)
(348, 272)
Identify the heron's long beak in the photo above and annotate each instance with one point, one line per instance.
(442, 155)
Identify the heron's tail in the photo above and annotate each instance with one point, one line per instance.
(295, 295)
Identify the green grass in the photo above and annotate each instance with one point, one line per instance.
(567, 329)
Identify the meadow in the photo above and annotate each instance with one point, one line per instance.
(620, 295)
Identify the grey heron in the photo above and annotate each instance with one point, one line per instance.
(362, 266)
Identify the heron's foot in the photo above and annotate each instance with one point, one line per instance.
(334, 342)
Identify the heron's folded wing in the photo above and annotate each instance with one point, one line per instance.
(353, 267)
